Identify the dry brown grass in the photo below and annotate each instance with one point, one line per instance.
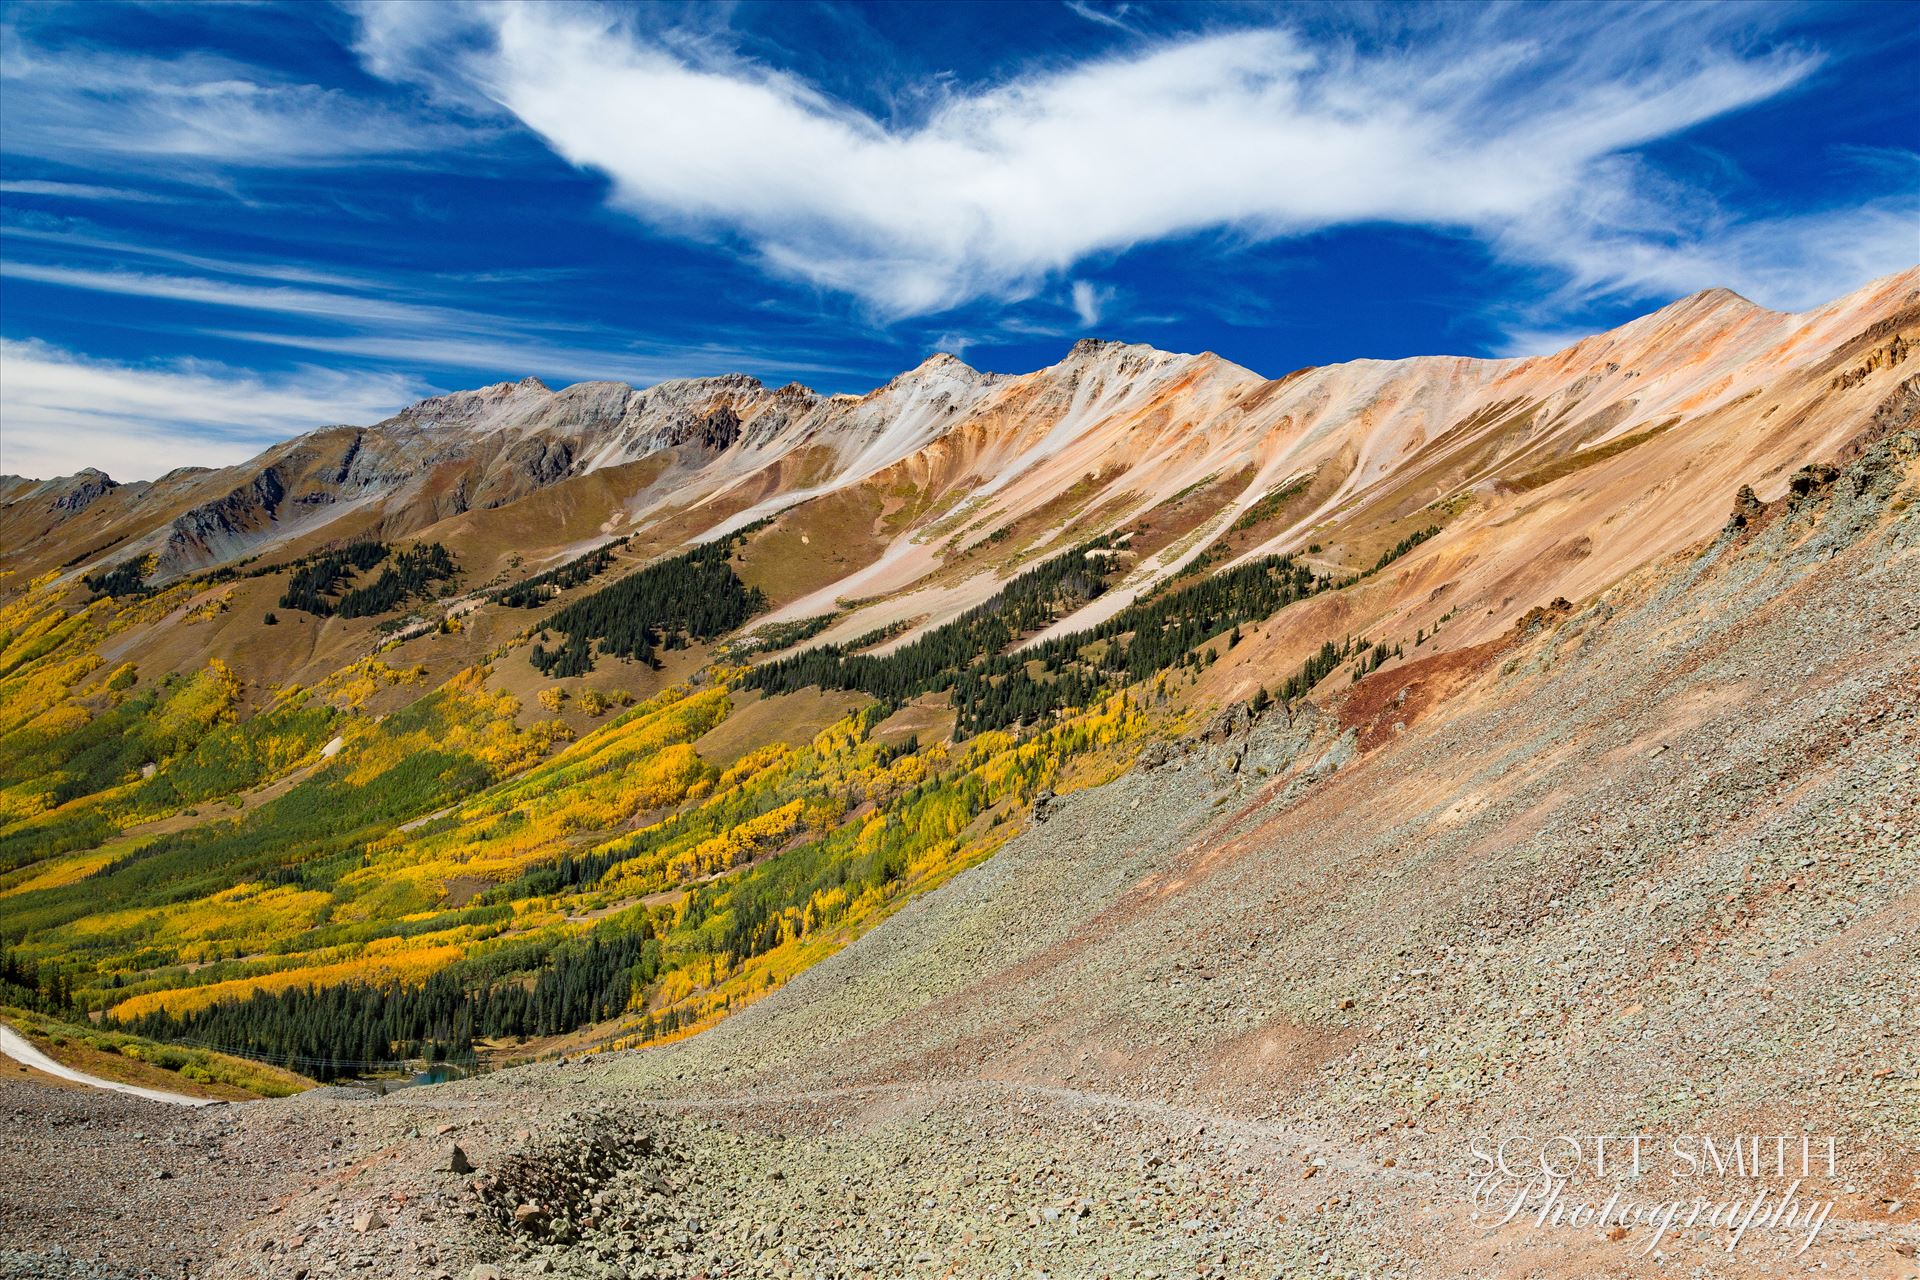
(814, 545)
(1585, 458)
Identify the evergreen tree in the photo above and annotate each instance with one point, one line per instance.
(691, 597)
(351, 1028)
(995, 686)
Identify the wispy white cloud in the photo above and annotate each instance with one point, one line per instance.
(421, 335)
(1089, 301)
(507, 355)
(120, 248)
(79, 191)
(1525, 139)
(281, 299)
(95, 106)
(64, 411)
(1902, 164)
(1786, 263)
(1114, 17)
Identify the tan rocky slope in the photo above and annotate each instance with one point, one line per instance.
(1648, 864)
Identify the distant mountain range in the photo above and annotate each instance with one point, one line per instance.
(912, 502)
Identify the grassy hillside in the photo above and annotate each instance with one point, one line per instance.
(343, 889)
(382, 867)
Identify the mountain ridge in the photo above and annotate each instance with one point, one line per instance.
(959, 475)
(1708, 299)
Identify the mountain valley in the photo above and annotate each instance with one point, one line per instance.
(1138, 817)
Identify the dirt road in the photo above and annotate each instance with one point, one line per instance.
(21, 1050)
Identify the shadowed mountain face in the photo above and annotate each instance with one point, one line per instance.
(1238, 792)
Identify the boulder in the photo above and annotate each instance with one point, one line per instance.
(1156, 754)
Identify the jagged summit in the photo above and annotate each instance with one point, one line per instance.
(1089, 349)
(718, 381)
(1718, 296)
(939, 370)
(945, 360)
(1716, 302)
(504, 389)
(65, 494)
(1106, 361)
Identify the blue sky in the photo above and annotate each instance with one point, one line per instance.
(223, 224)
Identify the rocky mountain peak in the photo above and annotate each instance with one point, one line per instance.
(1717, 297)
(1708, 305)
(942, 376)
(1110, 361)
(67, 495)
(1090, 351)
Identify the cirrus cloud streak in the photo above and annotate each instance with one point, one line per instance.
(62, 411)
